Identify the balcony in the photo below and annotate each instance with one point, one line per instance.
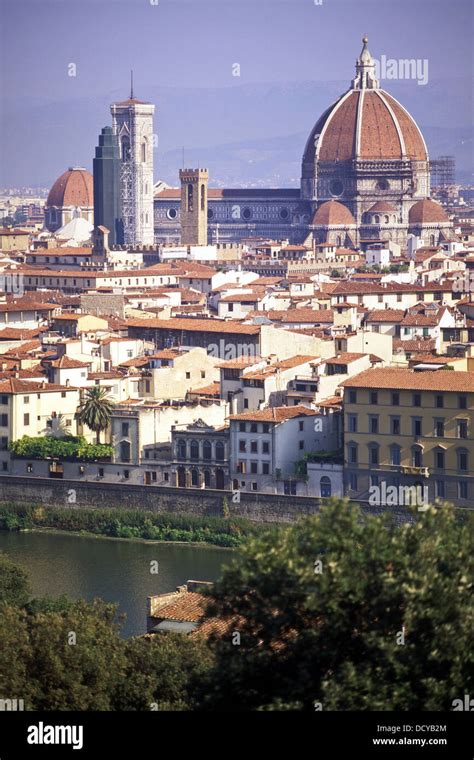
(416, 471)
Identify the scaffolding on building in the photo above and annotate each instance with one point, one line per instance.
(131, 191)
(443, 172)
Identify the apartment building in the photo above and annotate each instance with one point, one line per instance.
(266, 445)
(31, 408)
(404, 427)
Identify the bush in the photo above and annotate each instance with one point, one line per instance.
(134, 523)
(73, 448)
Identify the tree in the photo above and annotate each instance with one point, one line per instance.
(164, 672)
(351, 611)
(14, 584)
(96, 409)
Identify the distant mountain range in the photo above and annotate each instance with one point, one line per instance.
(251, 135)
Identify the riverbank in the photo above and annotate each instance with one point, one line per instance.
(132, 524)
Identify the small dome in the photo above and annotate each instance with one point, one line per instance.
(382, 207)
(73, 188)
(427, 212)
(332, 213)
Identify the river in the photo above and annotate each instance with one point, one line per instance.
(113, 569)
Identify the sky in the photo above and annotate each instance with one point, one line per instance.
(182, 45)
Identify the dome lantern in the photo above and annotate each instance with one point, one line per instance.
(365, 70)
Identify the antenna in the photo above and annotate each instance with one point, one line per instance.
(131, 84)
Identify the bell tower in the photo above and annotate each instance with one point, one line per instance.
(193, 206)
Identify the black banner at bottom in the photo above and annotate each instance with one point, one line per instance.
(376, 734)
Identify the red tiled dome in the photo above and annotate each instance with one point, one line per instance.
(333, 212)
(427, 212)
(73, 188)
(365, 125)
(383, 207)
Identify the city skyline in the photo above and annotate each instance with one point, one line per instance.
(198, 85)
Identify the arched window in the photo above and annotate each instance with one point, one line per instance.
(125, 145)
(144, 150)
(181, 449)
(207, 450)
(395, 454)
(463, 459)
(207, 478)
(432, 240)
(325, 487)
(194, 477)
(338, 240)
(190, 196)
(194, 450)
(220, 451)
(125, 450)
(203, 197)
(376, 219)
(417, 456)
(386, 219)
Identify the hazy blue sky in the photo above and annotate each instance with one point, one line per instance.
(193, 44)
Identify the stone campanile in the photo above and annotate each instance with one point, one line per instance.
(132, 122)
(193, 206)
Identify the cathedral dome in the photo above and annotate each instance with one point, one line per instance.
(427, 212)
(365, 125)
(73, 188)
(333, 213)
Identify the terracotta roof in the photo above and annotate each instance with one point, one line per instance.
(385, 315)
(275, 414)
(196, 325)
(187, 606)
(16, 333)
(213, 389)
(416, 344)
(344, 358)
(382, 120)
(112, 375)
(427, 212)
(73, 188)
(383, 207)
(166, 353)
(420, 320)
(333, 213)
(407, 379)
(14, 385)
(66, 362)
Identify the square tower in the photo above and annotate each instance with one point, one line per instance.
(193, 206)
(132, 122)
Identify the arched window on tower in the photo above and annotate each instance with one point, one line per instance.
(144, 150)
(190, 197)
(203, 197)
(125, 145)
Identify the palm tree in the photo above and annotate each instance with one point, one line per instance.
(96, 409)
